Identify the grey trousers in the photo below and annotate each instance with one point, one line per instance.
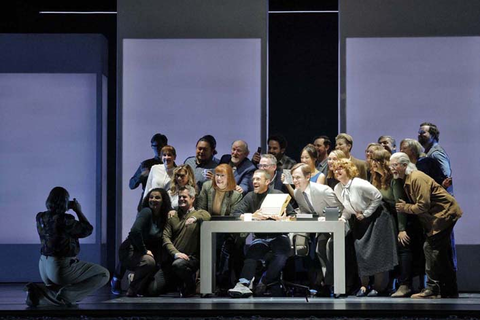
(69, 280)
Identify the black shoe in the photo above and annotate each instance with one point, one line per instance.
(260, 289)
(116, 286)
(324, 291)
(450, 295)
(275, 290)
(32, 299)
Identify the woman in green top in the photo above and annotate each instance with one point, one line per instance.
(219, 197)
(408, 235)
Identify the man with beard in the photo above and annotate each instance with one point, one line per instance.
(181, 239)
(263, 243)
(322, 145)
(243, 168)
(428, 136)
(203, 163)
(438, 212)
(277, 144)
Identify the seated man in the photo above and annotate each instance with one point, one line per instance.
(243, 168)
(203, 162)
(313, 198)
(263, 243)
(181, 238)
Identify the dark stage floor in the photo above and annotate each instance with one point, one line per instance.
(105, 305)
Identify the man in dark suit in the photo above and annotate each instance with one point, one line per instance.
(243, 168)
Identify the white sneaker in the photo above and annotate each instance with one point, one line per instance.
(240, 291)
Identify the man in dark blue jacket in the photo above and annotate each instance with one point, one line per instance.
(243, 168)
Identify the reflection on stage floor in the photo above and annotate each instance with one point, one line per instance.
(103, 304)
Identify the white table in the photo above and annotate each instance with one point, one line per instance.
(208, 245)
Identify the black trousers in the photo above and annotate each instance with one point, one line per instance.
(280, 248)
(411, 259)
(439, 263)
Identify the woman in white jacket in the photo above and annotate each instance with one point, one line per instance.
(161, 175)
(372, 227)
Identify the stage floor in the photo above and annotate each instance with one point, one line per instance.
(103, 304)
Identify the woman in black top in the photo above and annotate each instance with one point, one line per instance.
(66, 279)
(141, 252)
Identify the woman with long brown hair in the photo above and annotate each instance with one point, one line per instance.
(142, 251)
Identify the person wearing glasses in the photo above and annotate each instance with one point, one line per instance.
(182, 176)
(140, 177)
(409, 235)
(218, 196)
(371, 225)
(438, 211)
(268, 162)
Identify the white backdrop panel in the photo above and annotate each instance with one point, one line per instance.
(186, 88)
(394, 84)
(47, 139)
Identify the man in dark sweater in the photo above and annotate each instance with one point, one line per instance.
(278, 244)
(181, 239)
(140, 177)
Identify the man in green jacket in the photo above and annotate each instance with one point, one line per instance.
(181, 239)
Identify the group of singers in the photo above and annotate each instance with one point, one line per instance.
(398, 209)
